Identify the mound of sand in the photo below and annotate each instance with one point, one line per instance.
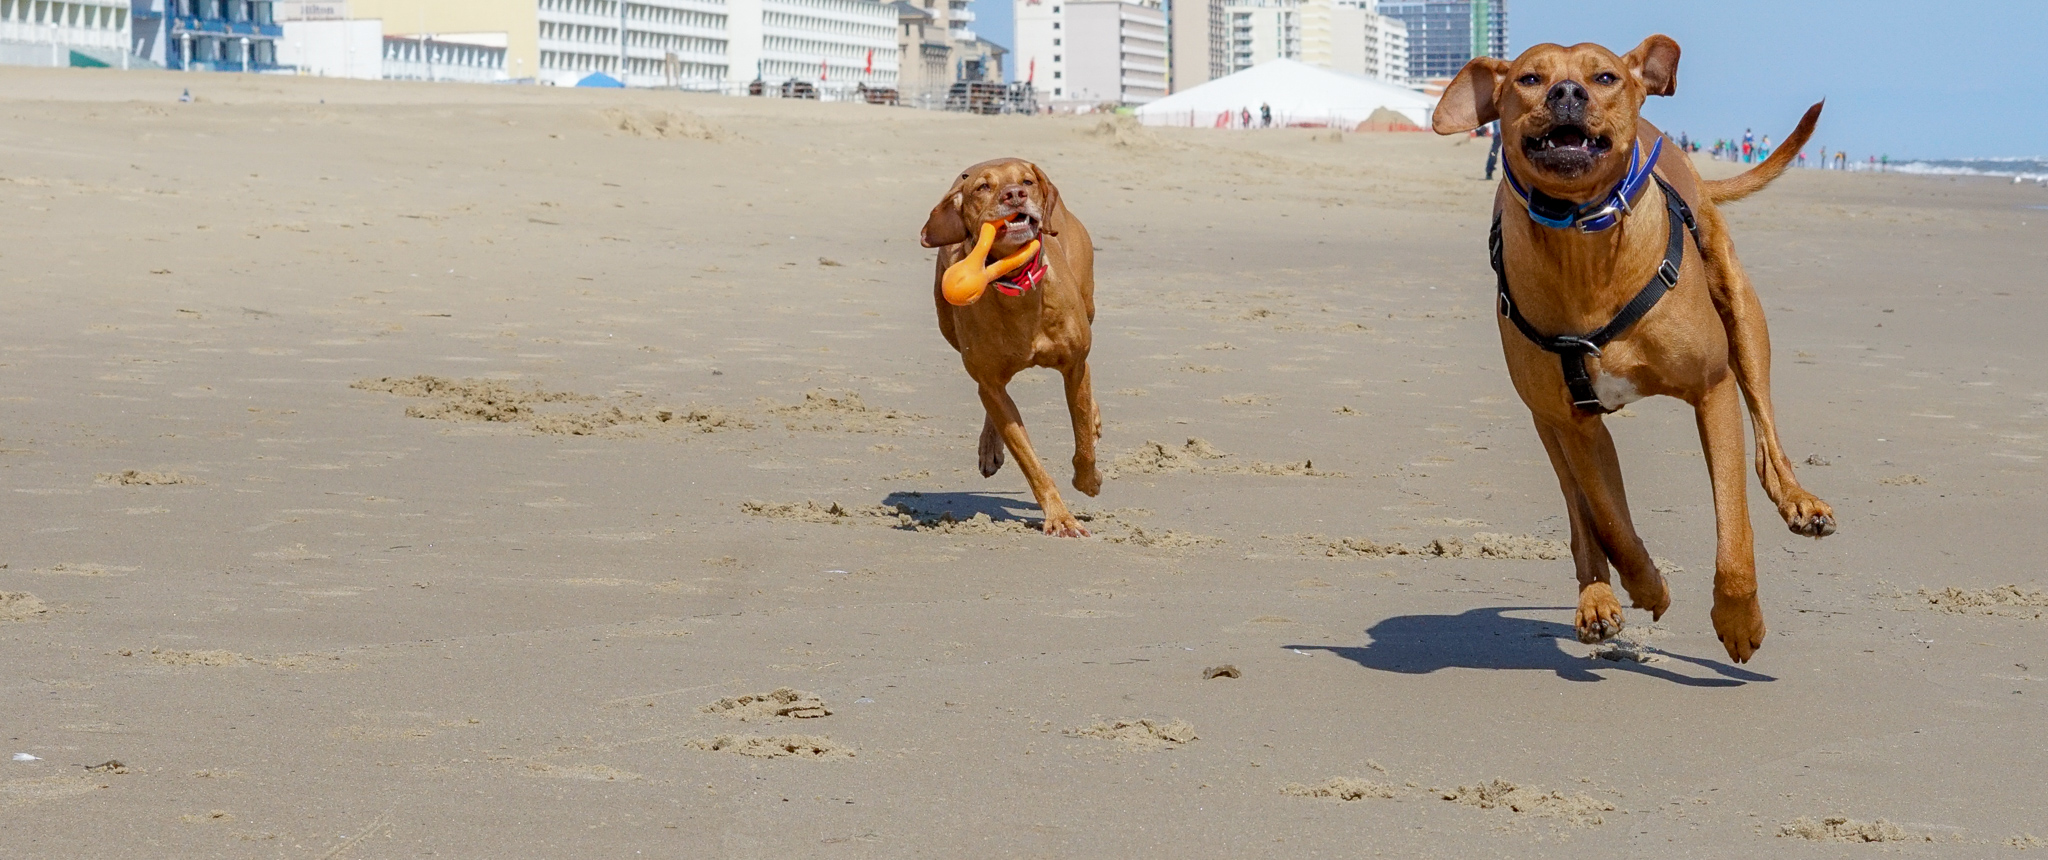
(1140, 734)
(137, 478)
(20, 606)
(1481, 545)
(1578, 810)
(466, 399)
(1341, 788)
(1835, 828)
(779, 746)
(2007, 600)
(847, 413)
(665, 124)
(1197, 456)
(197, 658)
(783, 702)
(811, 512)
(1167, 539)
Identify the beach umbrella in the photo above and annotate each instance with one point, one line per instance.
(600, 79)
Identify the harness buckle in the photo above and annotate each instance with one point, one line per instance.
(1575, 344)
(1667, 273)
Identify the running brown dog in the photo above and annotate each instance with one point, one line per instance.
(1039, 316)
(1592, 224)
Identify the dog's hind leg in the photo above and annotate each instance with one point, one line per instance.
(991, 451)
(1589, 474)
(1738, 617)
(1749, 339)
(1087, 426)
(1059, 521)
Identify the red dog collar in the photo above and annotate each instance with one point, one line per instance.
(1023, 280)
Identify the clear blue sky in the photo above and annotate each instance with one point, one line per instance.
(1910, 79)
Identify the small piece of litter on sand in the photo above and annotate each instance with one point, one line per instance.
(25, 757)
(1224, 671)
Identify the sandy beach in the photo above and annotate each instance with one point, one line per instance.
(457, 471)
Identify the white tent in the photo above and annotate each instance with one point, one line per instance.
(1299, 93)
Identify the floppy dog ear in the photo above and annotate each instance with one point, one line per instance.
(1655, 63)
(1468, 102)
(946, 226)
(1052, 200)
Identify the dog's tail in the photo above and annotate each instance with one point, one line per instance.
(1752, 181)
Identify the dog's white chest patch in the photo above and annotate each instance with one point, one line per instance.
(1615, 391)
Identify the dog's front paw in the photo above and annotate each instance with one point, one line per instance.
(1599, 615)
(991, 454)
(1808, 516)
(1086, 478)
(1063, 524)
(1739, 621)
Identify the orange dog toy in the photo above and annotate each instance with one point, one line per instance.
(965, 281)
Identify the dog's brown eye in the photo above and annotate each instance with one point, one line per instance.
(1029, 182)
(1529, 80)
(1606, 78)
(984, 187)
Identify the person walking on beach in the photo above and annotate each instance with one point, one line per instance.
(1841, 160)
(1265, 115)
(1245, 118)
(1748, 144)
(1493, 152)
(1823, 158)
(1802, 158)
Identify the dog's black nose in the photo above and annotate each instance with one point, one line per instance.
(1567, 101)
(1014, 194)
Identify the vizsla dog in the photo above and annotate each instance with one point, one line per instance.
(1038, 316)
(1618, 281)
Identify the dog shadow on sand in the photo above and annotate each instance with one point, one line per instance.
(963, 506)
(1492, 639)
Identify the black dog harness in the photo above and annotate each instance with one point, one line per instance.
(1572, 350)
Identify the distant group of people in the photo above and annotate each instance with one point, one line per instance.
(1265, 117)
(1748, 150)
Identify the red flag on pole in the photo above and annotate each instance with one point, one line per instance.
(871, 61)
(822, 68)
(1033, 74)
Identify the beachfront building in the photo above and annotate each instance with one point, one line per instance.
(1444, 34)
(1357, 39)
(205, 35)
(473, 58)
(1344, 35)
(1261, 31)
(1093, 52)
(936, 47)
(715, 45)
(1201, 43)
(81, 33)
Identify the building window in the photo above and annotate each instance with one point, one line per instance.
(1055, 43)
(1055, 58)
(1055, 25)
(1055, 73)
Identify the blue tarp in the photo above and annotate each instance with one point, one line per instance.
(600, 79)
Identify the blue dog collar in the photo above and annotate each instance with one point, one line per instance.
(1598, 215)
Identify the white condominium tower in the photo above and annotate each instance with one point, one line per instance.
(1213, 38)
(1091, 52)
(698, 44)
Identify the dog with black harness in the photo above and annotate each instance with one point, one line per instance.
(1617, 280)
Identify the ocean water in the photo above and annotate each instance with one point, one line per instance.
(2028, 168)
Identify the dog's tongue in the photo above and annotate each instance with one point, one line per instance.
(1568, 137)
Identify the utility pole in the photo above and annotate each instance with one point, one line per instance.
(622, 42)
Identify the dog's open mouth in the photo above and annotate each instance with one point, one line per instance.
(1566, 150)
(1021, 223)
